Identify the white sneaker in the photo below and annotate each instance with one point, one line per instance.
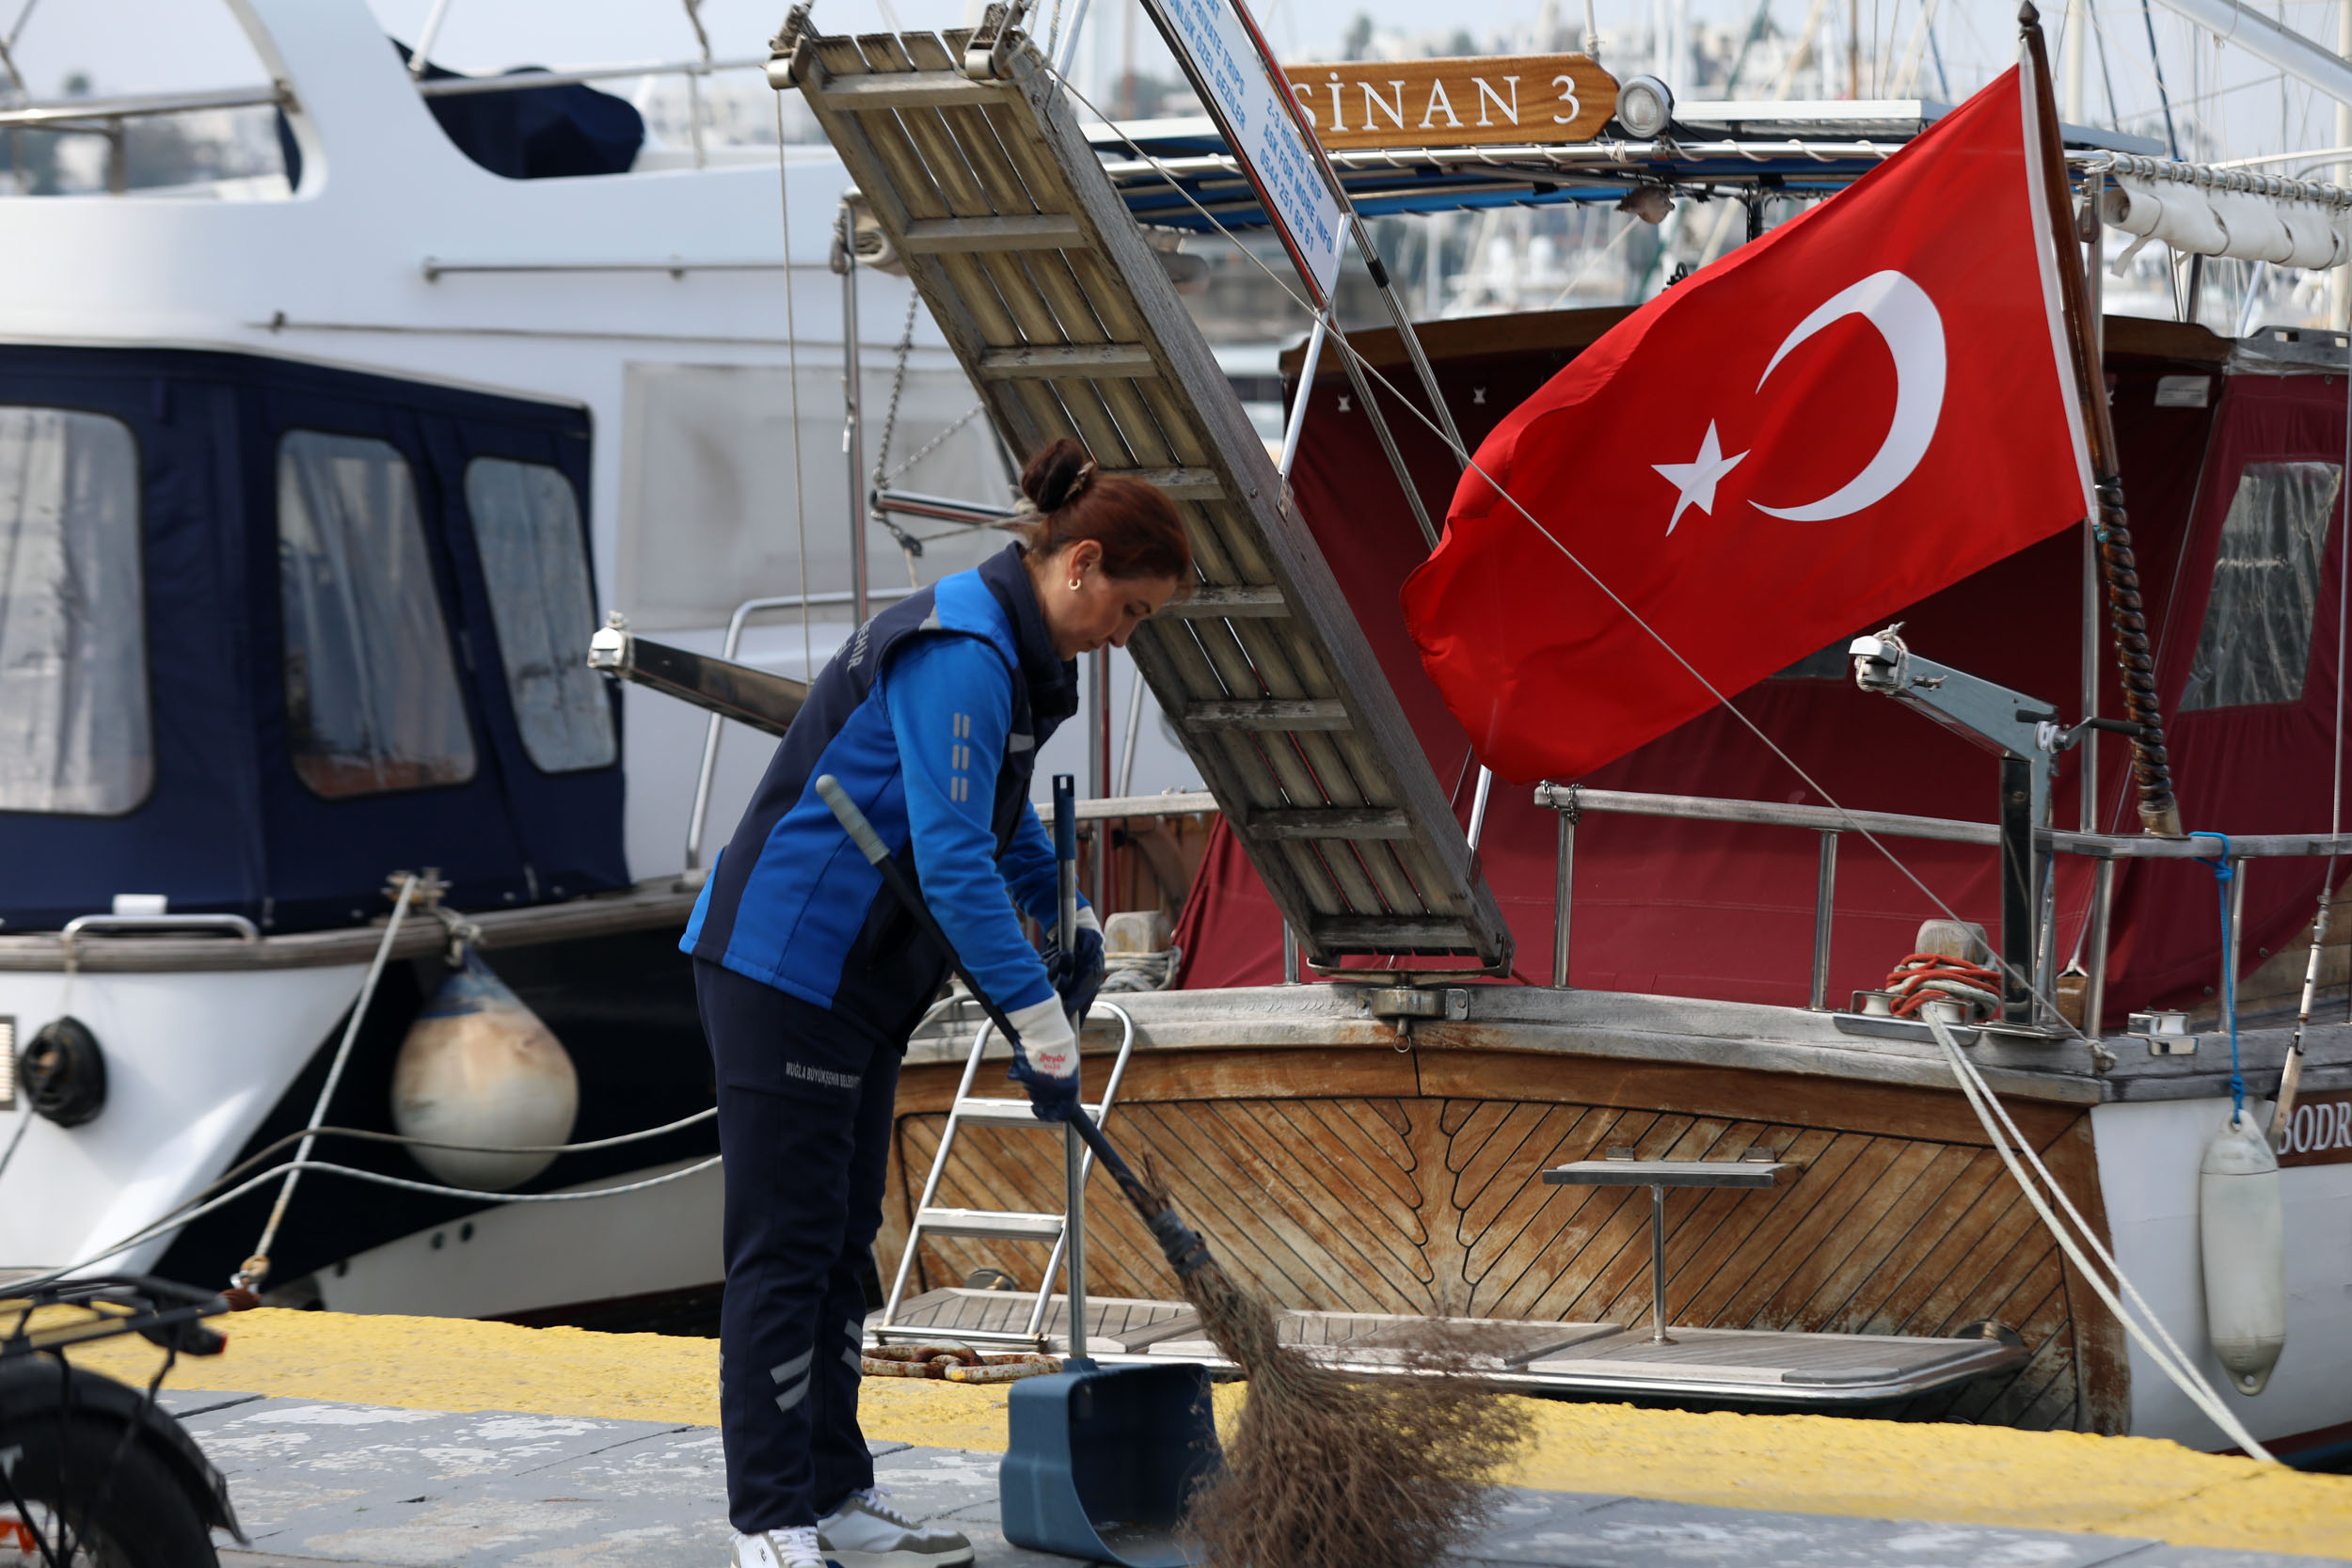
(795, 1547)
(865, 1532)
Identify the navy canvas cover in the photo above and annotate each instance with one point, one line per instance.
(527, 134)
(229, 826)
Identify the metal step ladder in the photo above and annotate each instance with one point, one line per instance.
(1010, 1224)
(1065, 319)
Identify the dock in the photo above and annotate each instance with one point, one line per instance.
(424, 1442)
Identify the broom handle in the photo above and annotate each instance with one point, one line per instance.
(1074, 1160)
(1194, 1252)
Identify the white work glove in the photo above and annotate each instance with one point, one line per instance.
(1045, 1058)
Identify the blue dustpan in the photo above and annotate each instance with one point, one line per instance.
(1103, 1459)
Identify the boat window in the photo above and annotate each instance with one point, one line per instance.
(534, 559)
(74, 725)
(372, 696)
(2256, 641)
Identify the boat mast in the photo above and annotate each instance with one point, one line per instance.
(2151, 770)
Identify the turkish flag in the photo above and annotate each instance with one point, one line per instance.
(1869, 402)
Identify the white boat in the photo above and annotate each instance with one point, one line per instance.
(315, 490)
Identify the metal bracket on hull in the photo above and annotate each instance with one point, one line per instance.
(2026, 734)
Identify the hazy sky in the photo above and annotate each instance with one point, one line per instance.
(182, 42)
(149, 45)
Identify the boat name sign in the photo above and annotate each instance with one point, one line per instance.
(1474, 100)
(2321, 1130)
(1230, 67)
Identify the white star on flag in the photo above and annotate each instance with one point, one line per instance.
(1698, 478)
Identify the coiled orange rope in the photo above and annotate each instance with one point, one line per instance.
(1925, 978)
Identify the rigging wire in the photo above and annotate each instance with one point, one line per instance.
(1988, 1108)
(792, 377)
(16, 31)
(1472, 464)
(2164, 94)
(2107, 71)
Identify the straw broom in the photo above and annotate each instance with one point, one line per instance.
(1325, 1470)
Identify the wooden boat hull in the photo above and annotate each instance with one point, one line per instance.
(1365, 1178)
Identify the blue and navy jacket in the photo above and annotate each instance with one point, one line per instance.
(931, 718)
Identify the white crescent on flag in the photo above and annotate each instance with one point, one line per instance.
(1908, 319)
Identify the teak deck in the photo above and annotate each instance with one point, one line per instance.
(1749, 1367)
(1065, 319)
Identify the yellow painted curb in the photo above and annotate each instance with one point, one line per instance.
(1801, 1464)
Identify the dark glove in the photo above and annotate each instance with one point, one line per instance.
(1076, 967)
(1045, 1059)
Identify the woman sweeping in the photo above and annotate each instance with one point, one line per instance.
(810, 977)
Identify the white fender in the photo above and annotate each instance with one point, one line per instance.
(479, 1068)
(2241, 1222)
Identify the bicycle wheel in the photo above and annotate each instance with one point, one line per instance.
(83, 1498)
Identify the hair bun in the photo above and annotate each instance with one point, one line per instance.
(1058, 476)
(1064, 501)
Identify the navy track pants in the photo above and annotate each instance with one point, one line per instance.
(804, 1118)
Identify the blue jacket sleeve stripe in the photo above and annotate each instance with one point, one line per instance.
(950, 704)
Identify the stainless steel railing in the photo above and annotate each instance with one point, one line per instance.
(1572, 801)
(110, 117)
(698, 823)
(234, 925)
(523, 81)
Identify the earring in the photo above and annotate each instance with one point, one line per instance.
(1074, 585)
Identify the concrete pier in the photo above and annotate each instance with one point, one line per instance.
(420, 1441)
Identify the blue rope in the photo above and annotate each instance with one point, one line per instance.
(2223, 872)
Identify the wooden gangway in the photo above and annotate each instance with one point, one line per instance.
(1064, 318)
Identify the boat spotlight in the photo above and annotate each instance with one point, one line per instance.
(1644, 105)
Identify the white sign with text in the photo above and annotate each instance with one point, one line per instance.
(1224, 54)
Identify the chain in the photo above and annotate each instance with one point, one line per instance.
(884, 471)
(936, 442)
(898, 390)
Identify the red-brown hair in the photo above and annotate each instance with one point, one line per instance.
(1136, 526)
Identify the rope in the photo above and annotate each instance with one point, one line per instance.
(2223, 874)
(1925, 978)
(256, 1267)
(368, 1135)
(22, 1123)
(1133, 971)
(175, 1222)
(2083, 1245)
